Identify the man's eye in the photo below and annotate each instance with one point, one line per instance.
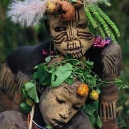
(60, 28)
(82, 25)
(76, 107)
(60, 100)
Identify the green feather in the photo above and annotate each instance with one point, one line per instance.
(100, 30)
(108, 20)
(100, 19)
(90, 18)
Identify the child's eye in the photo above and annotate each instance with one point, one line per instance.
(60, 28)
(75, 107)
(60, 100)
(82, 25)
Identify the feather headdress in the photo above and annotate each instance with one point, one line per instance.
(27, 12)
(30, 12)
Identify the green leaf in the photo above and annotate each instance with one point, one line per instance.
(25, 96)
(94, 81)
(69, 80)
(98, 120)
(98, 90)
(120, 83)
(96, 105)
(35, 75)
(68, 56)
(41, 73)
(47, 81)
(30, 102)
(36, 67)
(89, 63)
(79, 70)
(48, 127)
(73, 61)
(48, 59)
(25, 108)
(30, 88)
(61, 74)
(89, 109)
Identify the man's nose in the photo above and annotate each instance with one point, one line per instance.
(65, 113)
(71, 34)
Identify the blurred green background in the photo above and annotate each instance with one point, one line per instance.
(12, 36)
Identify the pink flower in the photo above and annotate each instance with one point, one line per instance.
(44, 52)
(51, 53)
(99, 42)
(47, 53)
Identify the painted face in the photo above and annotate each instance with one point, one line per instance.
(60, 104)
(71, 37)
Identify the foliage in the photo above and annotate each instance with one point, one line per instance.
(91, 109)
(30, 96)
(68, 69)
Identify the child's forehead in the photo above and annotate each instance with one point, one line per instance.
(68, 93)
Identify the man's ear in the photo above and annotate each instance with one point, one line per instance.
(47, 26)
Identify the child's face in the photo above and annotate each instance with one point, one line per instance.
(60, 104)
(71, 37)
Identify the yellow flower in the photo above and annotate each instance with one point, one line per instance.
(83, 89)
(51, 7)
(94, 95)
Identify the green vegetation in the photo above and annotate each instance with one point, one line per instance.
(12, 36)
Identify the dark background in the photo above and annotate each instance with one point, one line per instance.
(13, 36)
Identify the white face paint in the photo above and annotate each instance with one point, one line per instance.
(71, 37)
(60, 104)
